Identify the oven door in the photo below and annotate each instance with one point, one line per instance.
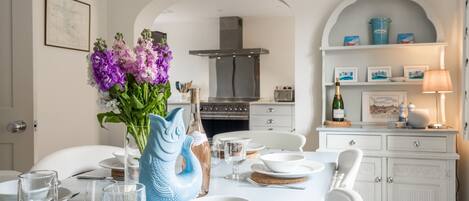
(218, 123)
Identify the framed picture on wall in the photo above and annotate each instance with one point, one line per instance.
(415, 73)
(382, 106)
(67, 24)
(379, 74)
(346, 74)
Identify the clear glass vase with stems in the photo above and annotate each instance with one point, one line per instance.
(135, 142)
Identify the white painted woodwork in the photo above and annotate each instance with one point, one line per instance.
(186, 113)
(369, 181)
(272, 116)
(464, 77)
(426, 172)
(363, 142)
(420, 143)
(16, 84)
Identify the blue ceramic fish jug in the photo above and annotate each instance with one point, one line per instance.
(166, 142)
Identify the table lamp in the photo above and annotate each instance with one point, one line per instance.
(437, 82)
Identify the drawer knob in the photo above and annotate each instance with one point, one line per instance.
(417, 144)
(390, 180)
(378, 179)
(270, 121)
(270, 109)
(352, 142)
(270, 129)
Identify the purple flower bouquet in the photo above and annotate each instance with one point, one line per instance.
(132, 83)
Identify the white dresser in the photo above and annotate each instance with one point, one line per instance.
(399, 164)
(265, 115)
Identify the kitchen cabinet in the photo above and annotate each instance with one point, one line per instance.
(272, 116)
(399, 164)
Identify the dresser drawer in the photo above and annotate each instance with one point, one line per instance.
(411, 143)
(270, 128)
(271, 109)
(364, 142)
(273, 121)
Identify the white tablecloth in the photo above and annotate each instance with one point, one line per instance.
(317, 184)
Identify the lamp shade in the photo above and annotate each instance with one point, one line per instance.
(437, 81)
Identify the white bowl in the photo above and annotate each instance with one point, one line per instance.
(282, 162)
(120, 155)
(220, 198)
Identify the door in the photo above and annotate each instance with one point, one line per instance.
(369, 180)
(16, 85)
(417, 180)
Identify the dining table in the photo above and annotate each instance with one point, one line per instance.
(316, 186)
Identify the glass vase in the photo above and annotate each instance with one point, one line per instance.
(135, 142)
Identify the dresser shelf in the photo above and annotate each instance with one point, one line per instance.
(387, 46)
(411, 83)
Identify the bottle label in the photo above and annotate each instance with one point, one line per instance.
(338, 114)
(199, 138)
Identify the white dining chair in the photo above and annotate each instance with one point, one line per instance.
(343, 194)
(348, 164)
(271, 139)
(75, 160)
(6, 175)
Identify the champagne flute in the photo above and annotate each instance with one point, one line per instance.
(235, 152)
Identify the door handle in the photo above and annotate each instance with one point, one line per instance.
(17, 127)
(378, 179)
(390, 180)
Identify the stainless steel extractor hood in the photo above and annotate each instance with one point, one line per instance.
(234, 71)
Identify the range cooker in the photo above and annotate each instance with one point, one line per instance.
(221, 117)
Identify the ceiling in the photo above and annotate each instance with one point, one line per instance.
(191, 10)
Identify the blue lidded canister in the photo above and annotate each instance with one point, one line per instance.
(380, 30)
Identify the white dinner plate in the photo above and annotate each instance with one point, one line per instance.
(254, 147)
(112, 163)
(305, 169)
(8, 191)
(220, 198)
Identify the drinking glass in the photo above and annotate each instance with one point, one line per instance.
(39, 185)
(124, 192)
(235, 152)
(95, 188)
(217, 151)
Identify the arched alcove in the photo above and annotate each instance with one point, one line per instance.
(351, 17)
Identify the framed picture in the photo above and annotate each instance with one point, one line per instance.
(415, 73)
(346, 74)
(351, 40)
(67, 24)
(379, 74)
(405, 38)
(383, 106)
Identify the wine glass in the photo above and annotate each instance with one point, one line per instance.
(94, 189)
(235, 152)
(217, 149)
(39, 185)
(124, 192)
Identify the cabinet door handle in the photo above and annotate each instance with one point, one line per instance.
(390, 180)
(378, 179)
(270, 121)
(270, 129)
(352, 142)
(270, 110)
(417, 144)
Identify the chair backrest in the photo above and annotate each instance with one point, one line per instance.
(348, 164)
(72, 161)
(271, 139)
(6, 175)
(343, 194)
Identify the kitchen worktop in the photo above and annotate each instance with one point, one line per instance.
(258, 102)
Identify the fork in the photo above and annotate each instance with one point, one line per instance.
(274, 186)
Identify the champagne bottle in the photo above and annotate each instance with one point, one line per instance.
(200, 146)
(338, 113)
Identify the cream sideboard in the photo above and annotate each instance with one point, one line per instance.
(399, 164)
(279, 116)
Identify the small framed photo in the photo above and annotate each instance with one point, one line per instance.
(379, 74)
(382, 106)
(405, 38)
(346, 74)
(415, 73)
(351, 40)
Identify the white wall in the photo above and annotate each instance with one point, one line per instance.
(273, 33)
(65, 106)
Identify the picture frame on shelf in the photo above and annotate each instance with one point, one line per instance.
(351, 40)
(346, 74)
(415, 72)
(382, 106)
(379, 74)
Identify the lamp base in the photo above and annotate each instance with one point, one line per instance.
(437, 126)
